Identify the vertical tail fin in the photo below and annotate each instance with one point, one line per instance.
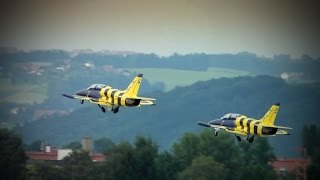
(270, 116)
(134, 86)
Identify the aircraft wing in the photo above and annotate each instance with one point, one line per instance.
(222, 127)
(79, 97)
(211, 125)
(237, 132)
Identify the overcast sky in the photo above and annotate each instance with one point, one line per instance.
(264, 27)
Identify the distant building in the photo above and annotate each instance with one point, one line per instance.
(50, 154)
(62, 153)
(296, 167)
(87, 145)
(42, 155)
(55, 155)
(98, 157)
(37, 68)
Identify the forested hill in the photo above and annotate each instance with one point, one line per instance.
(178, 111)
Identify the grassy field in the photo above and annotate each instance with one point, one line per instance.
(22, 93)
(172, 77)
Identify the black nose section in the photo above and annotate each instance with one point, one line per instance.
(82, 92)
(216, 122)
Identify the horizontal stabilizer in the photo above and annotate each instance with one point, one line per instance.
(282, 127)
(145, 98)
(282, 132)
(146, 102)
(203, 124)
(279, 127)
(68, 96)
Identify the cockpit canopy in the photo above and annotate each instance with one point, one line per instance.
(96, 87)
(230, 116)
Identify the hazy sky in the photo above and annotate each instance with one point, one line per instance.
(265, 27)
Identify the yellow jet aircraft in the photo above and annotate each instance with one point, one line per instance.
(104, 95)
(242, 125)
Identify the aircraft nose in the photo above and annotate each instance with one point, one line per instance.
(216, 122)
(82, 92)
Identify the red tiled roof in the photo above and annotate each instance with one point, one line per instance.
(34, 155)
(53, 156)
(289, 164)
(296, 165)
(98, 157)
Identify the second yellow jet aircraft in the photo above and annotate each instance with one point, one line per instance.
(242, 125)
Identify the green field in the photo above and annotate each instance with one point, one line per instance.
(173, 77)
(22, 93)
(29, 93)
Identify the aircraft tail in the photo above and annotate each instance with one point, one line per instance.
(134, 86)
(270, 116)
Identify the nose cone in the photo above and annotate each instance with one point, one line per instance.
(216, 122)
(82, 92)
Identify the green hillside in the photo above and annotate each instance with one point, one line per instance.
(178, 111)
(174, 77)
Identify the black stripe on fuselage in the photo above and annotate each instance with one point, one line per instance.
(255, 127)
(112, 96)
(248, 125)
(119, 98)
(241, 122)
(106, 92)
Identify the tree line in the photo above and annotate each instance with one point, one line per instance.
(198, 61)
(194, 156)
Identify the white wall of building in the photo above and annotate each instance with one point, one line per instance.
(62, 153)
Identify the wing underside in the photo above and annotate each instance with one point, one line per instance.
(93, 100)
(230, 130)
(143, 100)
(211, 125)
(76, 97)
